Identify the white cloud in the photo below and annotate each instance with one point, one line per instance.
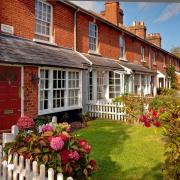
(170, 11)
(90, 5)
(145, 5)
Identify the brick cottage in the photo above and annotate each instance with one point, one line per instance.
(55, 57)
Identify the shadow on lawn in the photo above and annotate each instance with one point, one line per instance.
(103, 142)
(155, 173)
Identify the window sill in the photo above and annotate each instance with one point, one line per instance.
(143, 61)
(123, 59)
(164, 66)
(154, 64)
(44, 42)
(94, 53)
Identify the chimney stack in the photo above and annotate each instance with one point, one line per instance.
(154, 38)
(138, 28)
(113, 13)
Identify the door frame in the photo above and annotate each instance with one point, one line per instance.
(22, 84)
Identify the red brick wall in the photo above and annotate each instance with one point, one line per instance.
(20, 14)
(30, 92)
(82, 32)
(63, 24)
(108, 41)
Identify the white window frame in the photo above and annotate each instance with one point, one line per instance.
(114, 85)
(66, 104)
(142, 54)
(96, 38)
(50, 36)
(74, 89)
(122, 44)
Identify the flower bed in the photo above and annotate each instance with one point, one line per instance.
(55, 147)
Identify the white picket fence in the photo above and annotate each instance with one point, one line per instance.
(107, 110)
(18, 168)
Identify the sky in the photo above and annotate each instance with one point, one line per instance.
(163, 18)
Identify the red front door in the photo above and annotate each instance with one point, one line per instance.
(10, 96)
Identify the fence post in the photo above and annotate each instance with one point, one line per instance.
(54, 119)
(59, 176)
(50, 174)
(42, 172)
(35, 170)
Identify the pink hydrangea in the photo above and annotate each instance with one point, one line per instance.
(47, 127)
(74, 155)
(56, 143)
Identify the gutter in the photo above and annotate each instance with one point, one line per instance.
(75, 29)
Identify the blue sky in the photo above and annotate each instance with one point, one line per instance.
(158, 17)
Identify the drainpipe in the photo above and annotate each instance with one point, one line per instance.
(75, 29)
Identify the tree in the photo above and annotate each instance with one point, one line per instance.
(176, 51)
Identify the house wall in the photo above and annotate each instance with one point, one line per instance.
(30, 92)
(21, 15)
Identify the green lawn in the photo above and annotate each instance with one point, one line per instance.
(124, 152)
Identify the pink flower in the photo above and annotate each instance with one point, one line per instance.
(64, 136)
(47, 127)
(64, 156)
(74, 155)
(56, 143)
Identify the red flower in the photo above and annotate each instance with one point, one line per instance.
(157, 124)
(147, 124)
(84, 145)
(155, 114)
(64, 136)
(64, 156)
(25, 122)
(143, 118)
(93, 163)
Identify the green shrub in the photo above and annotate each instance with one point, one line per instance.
(171, 124)
(134, 106)
(166, 91)
(163, 101)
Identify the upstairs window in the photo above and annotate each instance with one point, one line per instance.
(43, 20)
(93, 38)
(122, 47)
(142, 54)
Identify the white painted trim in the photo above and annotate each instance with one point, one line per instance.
(84, 57)
(50, 105)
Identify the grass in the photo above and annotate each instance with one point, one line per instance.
(124, 152)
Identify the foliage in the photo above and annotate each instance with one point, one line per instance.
(163, 101)
(85, 117)
(134, 105)
(176, 51)
(123, 151)
(170, 71)
(151, 118)
(166, 91)
(55, 147)
(171, 123)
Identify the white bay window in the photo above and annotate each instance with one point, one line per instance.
(59, 90)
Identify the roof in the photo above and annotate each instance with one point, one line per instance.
(100, 61)
(121, 28)
(21, 51)
(136, 67)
